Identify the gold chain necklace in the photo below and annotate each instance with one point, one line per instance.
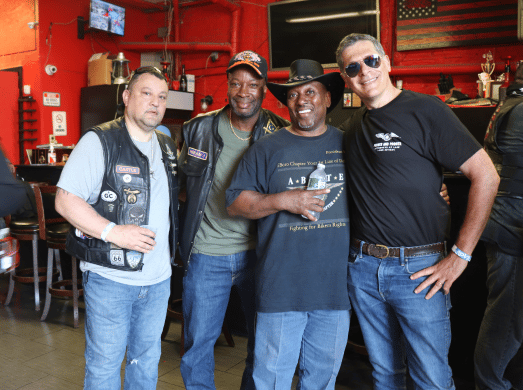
(236, 135)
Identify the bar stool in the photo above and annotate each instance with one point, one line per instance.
(54, 231)
(9, 256)
(27, 229)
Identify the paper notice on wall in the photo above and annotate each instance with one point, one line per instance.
(51, 99)
(59, 123)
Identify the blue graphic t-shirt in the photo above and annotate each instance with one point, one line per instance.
(302, 265)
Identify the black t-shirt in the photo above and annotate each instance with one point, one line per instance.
(302, 265)
(394, 162)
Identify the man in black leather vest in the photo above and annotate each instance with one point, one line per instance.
(119, 191)
(498, 359)
(218, 251)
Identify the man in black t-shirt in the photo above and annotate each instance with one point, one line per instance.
(395, 148)
(301, 290)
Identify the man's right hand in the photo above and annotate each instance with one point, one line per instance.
(132, 237)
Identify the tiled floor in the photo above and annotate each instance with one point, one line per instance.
(48, 355)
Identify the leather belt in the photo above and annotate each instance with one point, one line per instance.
(382, 251)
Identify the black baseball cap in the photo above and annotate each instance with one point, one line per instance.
(249, 58)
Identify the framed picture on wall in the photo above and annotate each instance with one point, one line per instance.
(350, 99)
(347, 99)
(428, 24)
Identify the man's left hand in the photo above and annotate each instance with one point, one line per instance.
(442, 275)
(444, 193)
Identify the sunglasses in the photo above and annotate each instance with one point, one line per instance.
(372, 61)
(148, 69)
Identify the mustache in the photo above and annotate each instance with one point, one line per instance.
(304, 107)
(243, 100)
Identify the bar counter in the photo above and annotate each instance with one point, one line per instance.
(49, 173)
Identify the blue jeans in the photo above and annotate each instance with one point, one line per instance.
(206, 290)
(119, 316)
(498, 358)
(316, 338)
(400, 327)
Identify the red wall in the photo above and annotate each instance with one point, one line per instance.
(69, 54)
(206, 23)
(210, 23)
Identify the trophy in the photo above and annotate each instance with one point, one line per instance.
(484, 77)
(488, 66)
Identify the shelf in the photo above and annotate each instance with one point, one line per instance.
(180, 100)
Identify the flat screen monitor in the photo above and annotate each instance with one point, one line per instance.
(312, 29)
(107, 17)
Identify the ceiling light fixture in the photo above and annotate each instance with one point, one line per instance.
(331, 17)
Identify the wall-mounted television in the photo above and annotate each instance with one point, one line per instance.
(312, 29)
(107, 17)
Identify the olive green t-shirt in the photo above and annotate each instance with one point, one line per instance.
(219, 234)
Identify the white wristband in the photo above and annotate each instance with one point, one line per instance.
(107, 229)
(461, 254)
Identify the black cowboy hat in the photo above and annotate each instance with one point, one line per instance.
(305, 71)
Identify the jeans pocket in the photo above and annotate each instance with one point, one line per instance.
(353, 255)
(415, 264)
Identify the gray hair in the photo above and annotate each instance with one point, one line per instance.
(350, 40)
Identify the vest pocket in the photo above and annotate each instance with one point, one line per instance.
(194, 167)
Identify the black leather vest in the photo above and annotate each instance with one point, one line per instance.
(125, 196)
(508, 165)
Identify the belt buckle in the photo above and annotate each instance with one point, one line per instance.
(382, 246)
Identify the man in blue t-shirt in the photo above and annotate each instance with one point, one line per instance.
(302, 306)
(395, 149)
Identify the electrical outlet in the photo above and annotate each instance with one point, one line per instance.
(214, 56)
(52, 139)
